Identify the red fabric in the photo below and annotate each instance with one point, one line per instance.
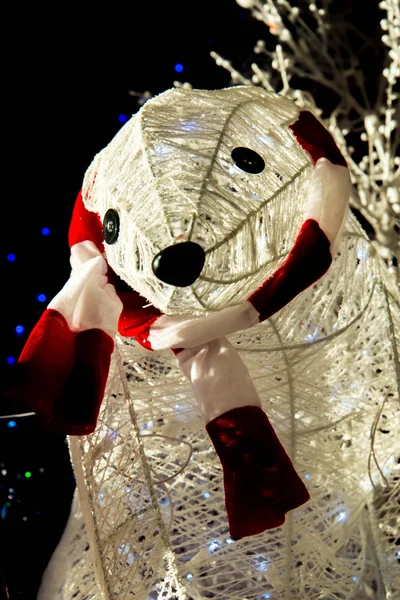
(316, 139)
(260, 483)
(137, 328)
(308, 260)
(85, 225)
(61, 375)
(137, 315)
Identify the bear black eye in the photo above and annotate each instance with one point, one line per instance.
(111, 226)
(248, 160)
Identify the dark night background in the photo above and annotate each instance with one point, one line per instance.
(66, 81)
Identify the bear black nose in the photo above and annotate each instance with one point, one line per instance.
(180, 264)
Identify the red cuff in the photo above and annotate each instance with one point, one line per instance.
(61, 375)
(260, 482)
(308, 260)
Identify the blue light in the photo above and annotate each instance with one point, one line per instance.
(362, 253)
(20, 329)
(268, 140)
(268, 595)
(122, 118)
(261, 564)
(11, 424)
(45, 231)
(161, 149)
(124, 548)
(213, 545)
(11, 257)
(178, 68)
(10, 360)
(190, 125)
(312, 336)
(112, 434)
(355, 578)
(307, 475)
(41, 298)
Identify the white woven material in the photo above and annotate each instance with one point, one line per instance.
(326, 368)
(170, 175)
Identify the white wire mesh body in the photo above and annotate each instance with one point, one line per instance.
(326, 368)
(150, 484)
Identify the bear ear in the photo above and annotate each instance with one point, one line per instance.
(85, 225)
(315, 139)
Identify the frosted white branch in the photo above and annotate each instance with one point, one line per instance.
(321, 54)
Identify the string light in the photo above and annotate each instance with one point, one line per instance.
(213, 545)
(342, 516)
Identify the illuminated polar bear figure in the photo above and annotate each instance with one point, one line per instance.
(203, 292)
